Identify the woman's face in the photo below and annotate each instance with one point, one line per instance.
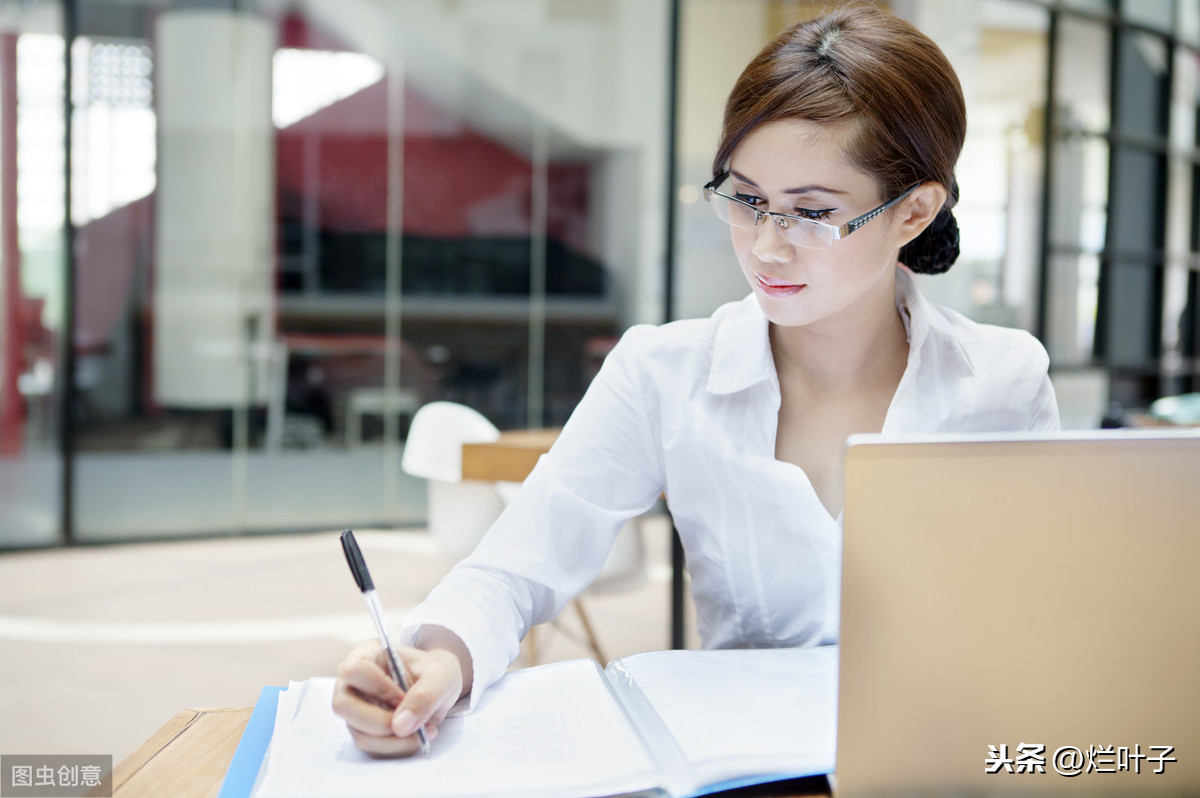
(797, 168)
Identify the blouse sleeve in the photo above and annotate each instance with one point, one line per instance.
(1031, 382)
(553, 537)
(1015, 392)
(1045, 415)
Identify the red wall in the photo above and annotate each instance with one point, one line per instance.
(456, 182)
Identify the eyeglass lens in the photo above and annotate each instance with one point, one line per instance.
(797, 231)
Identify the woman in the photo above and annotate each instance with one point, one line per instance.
(835, 171)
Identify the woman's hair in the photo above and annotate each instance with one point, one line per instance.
(888, 84)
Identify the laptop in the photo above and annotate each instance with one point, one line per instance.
(1020, 615)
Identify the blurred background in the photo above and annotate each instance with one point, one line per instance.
(243, 241)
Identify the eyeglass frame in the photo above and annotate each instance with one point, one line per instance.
(836, 231)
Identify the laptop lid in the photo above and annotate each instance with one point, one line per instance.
(1028, 607)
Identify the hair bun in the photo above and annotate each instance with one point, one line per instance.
(936, 249)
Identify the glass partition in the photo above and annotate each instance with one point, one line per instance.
(1158, 14)
(1182, 226)
(296, 225)
(1001, 172)
(32, 290)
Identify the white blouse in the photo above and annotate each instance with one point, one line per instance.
(690, 408)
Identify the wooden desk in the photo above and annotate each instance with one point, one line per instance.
(188, 757)
(508, 459)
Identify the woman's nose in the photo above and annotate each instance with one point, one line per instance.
(769, 243)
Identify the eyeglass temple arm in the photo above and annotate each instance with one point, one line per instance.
(711, 185)
(849, 227)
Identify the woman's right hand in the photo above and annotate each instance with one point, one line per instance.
(382, 718)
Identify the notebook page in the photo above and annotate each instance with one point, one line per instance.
(550, 730)
(736, 713)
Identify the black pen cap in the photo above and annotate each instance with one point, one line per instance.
(358, 566)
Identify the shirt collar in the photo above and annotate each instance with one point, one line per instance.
(741, 354)
(928, 325)
(741, 350)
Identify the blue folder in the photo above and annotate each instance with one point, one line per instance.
(248, 758)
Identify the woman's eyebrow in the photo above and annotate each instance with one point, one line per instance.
(809, 189)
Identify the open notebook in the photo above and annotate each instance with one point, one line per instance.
(668, 722)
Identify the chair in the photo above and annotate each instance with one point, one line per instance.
(460, 511)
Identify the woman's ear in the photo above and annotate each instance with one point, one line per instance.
(919, 209)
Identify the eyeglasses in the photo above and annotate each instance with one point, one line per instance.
(808, 233)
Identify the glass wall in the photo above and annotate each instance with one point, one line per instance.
(1002, 66)
(292, 224)
(32, 291)
(295, 224)
(1121, 258)
(1181, 291)
(1078, 211)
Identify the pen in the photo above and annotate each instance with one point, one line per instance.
(358, 566)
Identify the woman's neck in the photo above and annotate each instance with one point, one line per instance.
(843, 355)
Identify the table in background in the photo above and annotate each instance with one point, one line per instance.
(188, 757)
(510, 458)
(360, 400)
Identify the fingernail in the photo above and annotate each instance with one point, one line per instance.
(404, 723)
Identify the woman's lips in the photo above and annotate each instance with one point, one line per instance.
(774, 287)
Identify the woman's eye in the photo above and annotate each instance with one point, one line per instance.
(815, 215)
(749, 199)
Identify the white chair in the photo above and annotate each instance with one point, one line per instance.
(461, 511)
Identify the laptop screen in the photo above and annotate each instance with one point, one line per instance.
(1020, 614)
